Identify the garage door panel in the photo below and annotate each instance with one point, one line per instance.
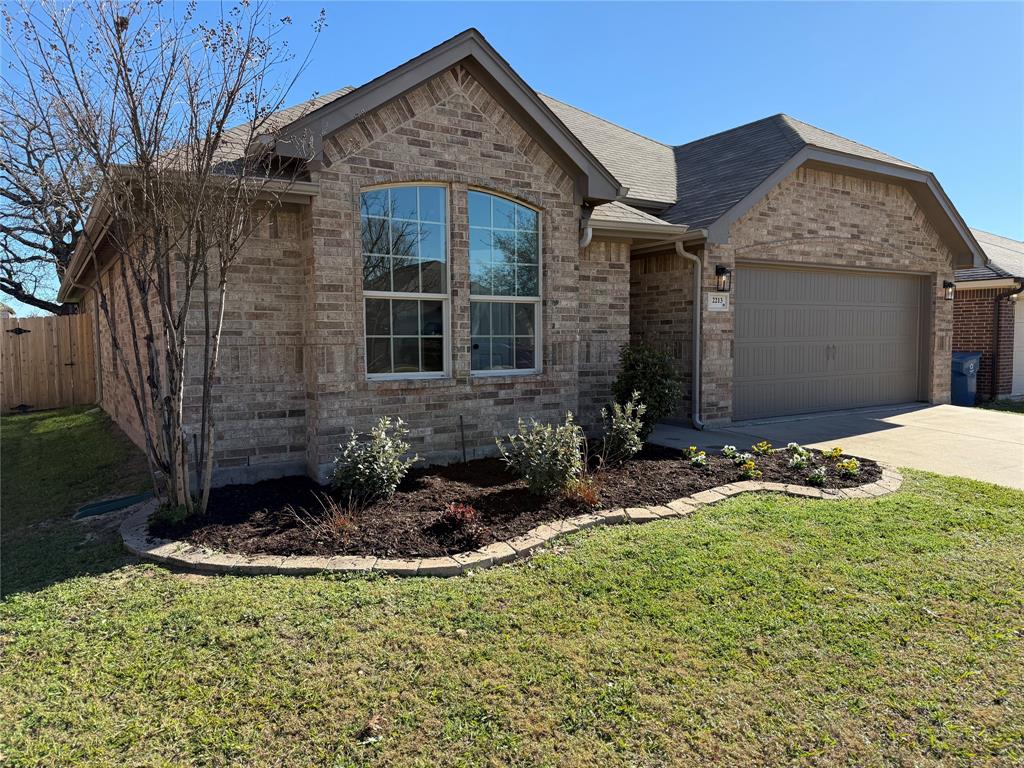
(810, 340)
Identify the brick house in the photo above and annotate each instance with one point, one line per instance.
(467, 251)
(988, 316)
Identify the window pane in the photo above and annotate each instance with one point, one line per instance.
(375, 236)
(374, 203)
(525, 314)
(479, 209)
(479, 246)
(480, 279)
(406, 274)
(432, 242)
(433, 355)
(526, 247)
(526, 281)
(431, 204)
(481, 353)
(504, 213)
(431, 318)
(480, 318)
(377, 273)
(378, 317)
(504, 247)
(501, 352)
(501, 318)
(433, 276)
(407, 355)
(526, 219)
(403, 203)
(504, 280)
(404, 236)
(405, 318)
(524, 353)
(378, 355)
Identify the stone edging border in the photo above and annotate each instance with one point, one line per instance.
(134, 532)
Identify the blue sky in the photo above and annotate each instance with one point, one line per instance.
(940, 85)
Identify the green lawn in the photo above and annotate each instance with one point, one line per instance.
(1009, 406)
(761, 631)
(50, 464)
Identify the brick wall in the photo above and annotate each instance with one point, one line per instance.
(973, 324)
(449, 130)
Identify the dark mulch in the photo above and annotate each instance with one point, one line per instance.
(258, 518)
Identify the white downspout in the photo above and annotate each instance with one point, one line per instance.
(698, 282)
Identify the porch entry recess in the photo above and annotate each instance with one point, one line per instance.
(818, 339)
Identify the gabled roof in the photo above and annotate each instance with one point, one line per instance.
(644, 165)
(1005, 259)
(717, 172)
(469, 48)
(621, 218)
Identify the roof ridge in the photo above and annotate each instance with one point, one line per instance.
(790, 118)
(604, 120)
(727, 130)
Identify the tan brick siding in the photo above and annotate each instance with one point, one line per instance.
(974, 322)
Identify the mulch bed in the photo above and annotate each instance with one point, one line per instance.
(280, 517)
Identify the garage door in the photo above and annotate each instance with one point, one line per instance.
(818, 340)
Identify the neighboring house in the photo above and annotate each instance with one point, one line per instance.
(988, 315)
(468, 252)
(6, 311)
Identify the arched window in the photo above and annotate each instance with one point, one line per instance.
(505, 290)
(405, 281)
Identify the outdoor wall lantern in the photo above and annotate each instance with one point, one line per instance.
(949, 288)
(723, 276)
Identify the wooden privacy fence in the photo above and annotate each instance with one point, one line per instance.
(46, 362)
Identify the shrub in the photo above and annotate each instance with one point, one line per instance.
(848, 468)
(761, 449)
(749, 470)
(729, 451)
(370, 467)
(623, 427)
(585, 490)
(464, 521)
(548, 457)
(652, 374)
(699, 459)
(834, 453)
(817, 476)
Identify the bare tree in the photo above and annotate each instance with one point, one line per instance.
(149, 93)
(39, 227)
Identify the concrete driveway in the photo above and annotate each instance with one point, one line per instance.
(975, 443)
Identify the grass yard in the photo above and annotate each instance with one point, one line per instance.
(1009, 406)
(762, 631)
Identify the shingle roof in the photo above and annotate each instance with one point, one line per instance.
(642, 164)
(1005, 258)
(716, 172)
(620, 213)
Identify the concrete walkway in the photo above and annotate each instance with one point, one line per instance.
(975, 443)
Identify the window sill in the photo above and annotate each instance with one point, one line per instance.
(491, 377)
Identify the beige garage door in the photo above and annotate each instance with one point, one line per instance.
(818, 340)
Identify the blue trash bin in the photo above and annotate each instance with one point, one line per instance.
(964, 384)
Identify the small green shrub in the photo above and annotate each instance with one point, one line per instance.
(848, 468)
(548, 457)
(585, 489)
(761, 449)
(169, 515)
(623, 427)
(749, 470)
(817, 476)
(652, 374)
(370, 467)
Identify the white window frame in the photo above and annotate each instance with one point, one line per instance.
(537, 301)
(444, 298)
